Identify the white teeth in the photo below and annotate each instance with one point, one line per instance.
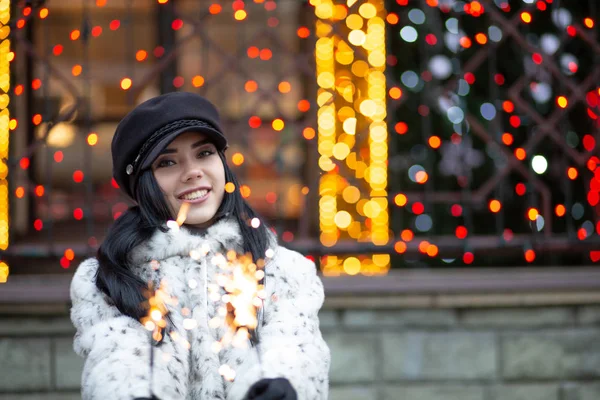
(195, 195)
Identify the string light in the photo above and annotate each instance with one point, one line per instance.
(361, 105)
(5, 83)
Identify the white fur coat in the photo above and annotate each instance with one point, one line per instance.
(116, 348)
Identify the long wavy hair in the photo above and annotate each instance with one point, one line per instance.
(115, 276)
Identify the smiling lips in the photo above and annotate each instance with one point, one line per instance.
(195, 195)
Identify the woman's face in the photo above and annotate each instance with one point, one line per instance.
(190, 170)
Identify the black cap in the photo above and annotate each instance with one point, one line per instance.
(145, 132)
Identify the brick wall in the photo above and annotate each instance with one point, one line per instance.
(541, 353)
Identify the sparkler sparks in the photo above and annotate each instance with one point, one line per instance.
(240, 278)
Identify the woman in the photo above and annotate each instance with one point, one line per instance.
(166, 152)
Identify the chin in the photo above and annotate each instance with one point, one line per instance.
(199, 220)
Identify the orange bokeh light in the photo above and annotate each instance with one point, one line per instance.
(141, 55)
(495, 206)
(197, 81)
(303, 32)
(251, 86)
(421, 177)
(520, 153)
(465, 42)
(432, 250)
(572, 173)
(39, 190)
(308, 133)
(400, 247)
(481, 38)
(215, 9)
(526, 17)
(530, 255)
(507, 138)
(407, 235)
(284, 87)
(560, 210)
(435, 142)
(76, 70)
(395, 93)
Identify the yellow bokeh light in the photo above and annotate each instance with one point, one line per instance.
(532, 214)
(230, 187)
(400, 200)
(341, 151)
(357, 37)
(368, 108)
(237, 159)
(326, 80)
(351, 194)
(3, 272)
(349, 126)
(324, 10)
(126, 83)
(326, 164)
(92, 139)
(240, 15)
(354, 21)
(351, 121)
(278, 124)
(343, 219)
(367, 10)
(352, 265)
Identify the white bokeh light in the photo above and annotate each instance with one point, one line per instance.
(539, 164)
(409, 34)
(440, 66)
(541, 92)
(549, 43)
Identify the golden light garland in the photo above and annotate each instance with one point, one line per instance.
(4, 127)
(352, 131)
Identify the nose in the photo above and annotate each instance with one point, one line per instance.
(192, 171)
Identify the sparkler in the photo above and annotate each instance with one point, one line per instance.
(240, 279)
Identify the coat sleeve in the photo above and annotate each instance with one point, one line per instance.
(291, 344)
(116, 348)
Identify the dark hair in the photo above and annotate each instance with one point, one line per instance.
(115, 277)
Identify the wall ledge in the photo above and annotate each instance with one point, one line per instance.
(468, 287)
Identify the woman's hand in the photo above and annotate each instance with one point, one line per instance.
(271, 389)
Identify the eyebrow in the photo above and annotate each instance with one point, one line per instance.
(197, 144)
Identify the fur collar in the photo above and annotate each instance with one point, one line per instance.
(222, 236)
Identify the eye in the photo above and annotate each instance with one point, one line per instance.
(205, 153)
(165, 163)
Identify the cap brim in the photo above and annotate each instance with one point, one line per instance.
(215, 136)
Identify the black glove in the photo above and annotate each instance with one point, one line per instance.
(272, 389)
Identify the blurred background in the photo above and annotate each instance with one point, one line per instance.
(437, 159)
